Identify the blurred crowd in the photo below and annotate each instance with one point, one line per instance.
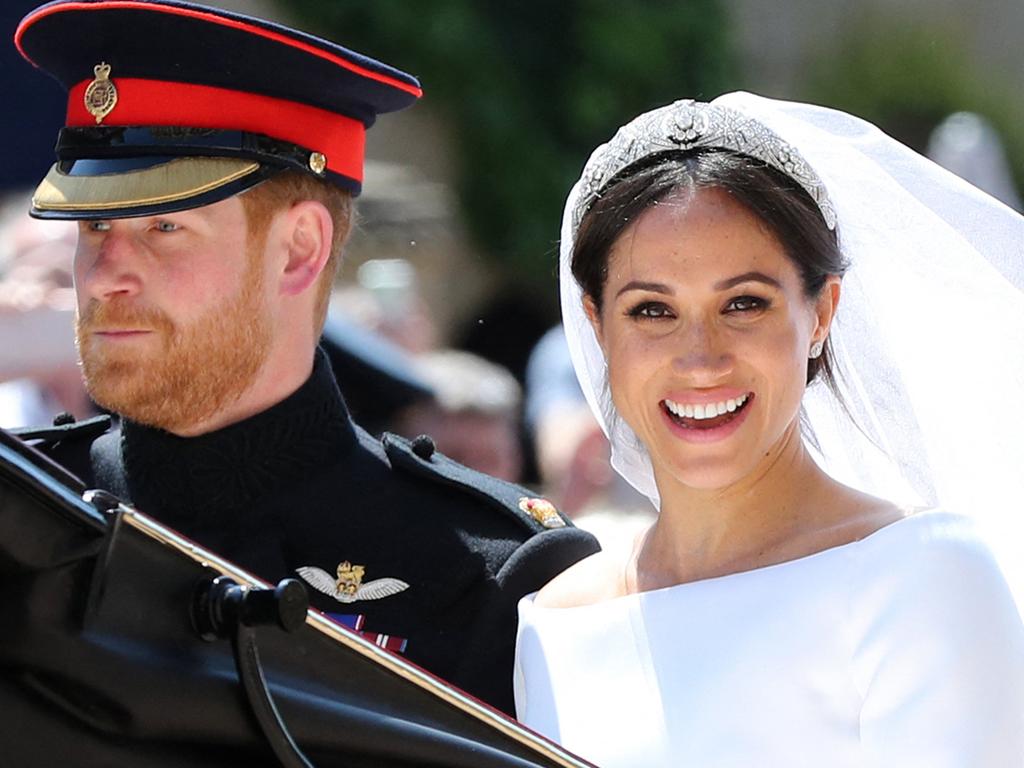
(393, 367)
(39, 374)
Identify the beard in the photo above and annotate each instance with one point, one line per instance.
(198, 370)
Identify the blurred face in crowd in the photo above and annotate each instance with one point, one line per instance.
(486, 442)
(172, 322)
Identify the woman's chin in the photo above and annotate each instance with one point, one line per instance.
(705, 474)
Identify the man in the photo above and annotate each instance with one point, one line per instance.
(211, 160)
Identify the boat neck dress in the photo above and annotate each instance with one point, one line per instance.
(904, 648)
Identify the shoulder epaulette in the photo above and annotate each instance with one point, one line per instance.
(88, 429)
(420, 457)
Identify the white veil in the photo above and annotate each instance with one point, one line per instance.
(928, 340)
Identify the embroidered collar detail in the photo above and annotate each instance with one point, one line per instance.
(228, 470)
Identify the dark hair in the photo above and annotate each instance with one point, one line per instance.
(778, 201)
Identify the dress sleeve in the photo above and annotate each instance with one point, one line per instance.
(938, 651)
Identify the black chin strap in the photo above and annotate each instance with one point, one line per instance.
(224, 609)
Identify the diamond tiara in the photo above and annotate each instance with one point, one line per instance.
(689, 124)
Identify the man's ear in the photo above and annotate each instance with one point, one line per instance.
(825, 307)
(307, 237)
(594, 316)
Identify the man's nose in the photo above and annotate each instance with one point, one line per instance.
(109, 268)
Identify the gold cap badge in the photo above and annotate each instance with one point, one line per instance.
(543, 511)
(101, 95)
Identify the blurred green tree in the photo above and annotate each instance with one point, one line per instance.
(908, 76)
(529, 88)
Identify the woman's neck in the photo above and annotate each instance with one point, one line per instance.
(756, 521)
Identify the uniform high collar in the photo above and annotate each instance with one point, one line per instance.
(183, 479)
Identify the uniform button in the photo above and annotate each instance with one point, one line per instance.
(423, 446)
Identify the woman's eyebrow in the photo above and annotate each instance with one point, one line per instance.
(746, 277)
(640, 285)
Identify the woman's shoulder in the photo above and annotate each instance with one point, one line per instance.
(928, 557)
(927, 535)
(936, 644)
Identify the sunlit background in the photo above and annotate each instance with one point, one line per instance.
(457, 238)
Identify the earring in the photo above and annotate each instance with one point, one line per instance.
(816, 348)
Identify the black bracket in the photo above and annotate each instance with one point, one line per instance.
(221, 605)
(224, 609)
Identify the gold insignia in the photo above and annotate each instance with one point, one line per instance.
(543, 511)
(349, 587)
(350, 577)
(101, 95)
(317, 162)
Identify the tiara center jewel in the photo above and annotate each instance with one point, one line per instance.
(101, 94)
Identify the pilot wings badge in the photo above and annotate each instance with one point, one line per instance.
(349, 587)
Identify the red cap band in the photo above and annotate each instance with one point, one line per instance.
(154, 102)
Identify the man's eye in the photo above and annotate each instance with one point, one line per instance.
(167, 226)
(650, 310)
(99, 226)
(746, 304)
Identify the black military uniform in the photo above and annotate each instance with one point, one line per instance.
(437, 554)
(425, 556)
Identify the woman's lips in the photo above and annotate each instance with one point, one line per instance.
(707, 406)
(706, 422)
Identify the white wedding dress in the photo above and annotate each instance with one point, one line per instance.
(902, 650)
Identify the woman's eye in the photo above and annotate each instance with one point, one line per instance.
(746, 304)
(650, 310)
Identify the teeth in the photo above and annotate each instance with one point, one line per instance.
(705, 411)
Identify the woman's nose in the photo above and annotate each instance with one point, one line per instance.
(701, 351)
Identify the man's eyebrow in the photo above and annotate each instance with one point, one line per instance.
(640, 285)
(747, 277)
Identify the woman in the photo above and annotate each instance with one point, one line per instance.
(790, 606)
